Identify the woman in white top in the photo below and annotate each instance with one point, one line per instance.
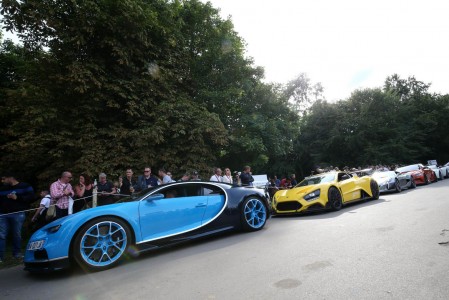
(227, 177)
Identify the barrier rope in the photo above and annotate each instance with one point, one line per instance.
(74, 200)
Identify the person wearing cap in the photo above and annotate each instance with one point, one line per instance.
(194, 176)
(15, 198)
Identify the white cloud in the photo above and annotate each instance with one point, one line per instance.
(334, 42)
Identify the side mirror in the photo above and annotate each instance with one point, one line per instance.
(155, 197)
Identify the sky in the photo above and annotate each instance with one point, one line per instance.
(346, 44)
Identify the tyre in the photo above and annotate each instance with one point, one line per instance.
(101, 243)
(254, 214)
(412, 183)
(397, 187)
(334, 201)
(374, 189)
(441, 176)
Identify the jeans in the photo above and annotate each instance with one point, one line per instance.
(11, 223)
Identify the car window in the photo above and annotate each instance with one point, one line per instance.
(317, 179)
(211, 190)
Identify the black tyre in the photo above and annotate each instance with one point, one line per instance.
(397, 187)
(101, 243)
(334, 200)
(374, 190)
(412, 183)
(441, 176)
(254, 214)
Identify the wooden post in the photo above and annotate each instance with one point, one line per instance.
(94, 194)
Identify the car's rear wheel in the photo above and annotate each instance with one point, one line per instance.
(397, 186)
(441, 176)
(334, 201)
(101, 243)
(374, 189)
(254, 214)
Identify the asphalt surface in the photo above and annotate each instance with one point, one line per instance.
(391, 248)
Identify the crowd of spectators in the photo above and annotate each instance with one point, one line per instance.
(62, 198)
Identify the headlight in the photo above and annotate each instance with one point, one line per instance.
(312, 196)
(54, 228)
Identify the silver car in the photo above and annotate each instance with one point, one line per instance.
(390, 181)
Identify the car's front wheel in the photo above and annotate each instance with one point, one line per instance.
(374, 189)
(412, 183)
(397, 187)
(334, 201)
(254, 214)
(101, 243)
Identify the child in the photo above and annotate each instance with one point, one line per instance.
(41, 212)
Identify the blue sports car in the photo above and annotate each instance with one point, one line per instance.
(98, 238)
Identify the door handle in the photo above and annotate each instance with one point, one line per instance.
(201, 205)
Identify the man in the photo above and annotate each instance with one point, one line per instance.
(195, 176)
(245, 177)
(146, 180)
(61, 191)
(293, 180)
(185, 177)
(15, 197)
(164, 177)
(39, 216)
(217, 175)
(105, 190)
(129, 184)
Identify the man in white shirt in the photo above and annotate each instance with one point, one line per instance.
(217, 175)
(41, 212)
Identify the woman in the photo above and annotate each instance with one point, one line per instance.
(83, 193)
(227, 177)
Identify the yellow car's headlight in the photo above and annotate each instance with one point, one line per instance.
(312, 196)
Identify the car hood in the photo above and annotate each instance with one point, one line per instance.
(295, 193)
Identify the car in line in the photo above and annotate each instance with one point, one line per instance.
(440, 172)
(420, 173)
(390, 181)
(326, 191)
(98, 238)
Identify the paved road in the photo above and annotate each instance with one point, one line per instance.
(384, 249)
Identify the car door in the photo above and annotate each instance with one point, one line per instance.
(215, 202)
(348, 187)
(181, 209)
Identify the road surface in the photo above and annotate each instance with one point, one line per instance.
(391, 248)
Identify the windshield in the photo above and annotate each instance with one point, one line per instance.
(380, 175)
(135, 196)
(317, 179)
(408, 168)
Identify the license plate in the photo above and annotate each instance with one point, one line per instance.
(36, 245)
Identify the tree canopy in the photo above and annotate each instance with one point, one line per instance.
(103, 85)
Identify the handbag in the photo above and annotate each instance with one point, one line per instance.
(51, 213)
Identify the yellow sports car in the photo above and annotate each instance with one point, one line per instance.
(324, 191)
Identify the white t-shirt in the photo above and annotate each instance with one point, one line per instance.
(45, 202)
(227, 179)
(167, 179)
(215, 178)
